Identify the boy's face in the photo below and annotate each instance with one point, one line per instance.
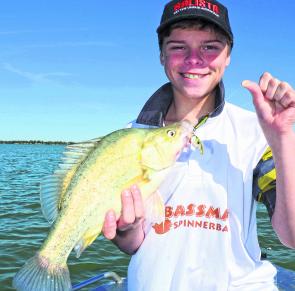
(194, 61)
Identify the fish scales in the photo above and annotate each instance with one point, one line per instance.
(90, 181)
(98, 164)
(94, 186)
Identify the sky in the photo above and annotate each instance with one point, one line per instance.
(73, 70)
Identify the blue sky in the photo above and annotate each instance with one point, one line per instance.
(76, 70)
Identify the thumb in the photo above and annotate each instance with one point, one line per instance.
(255, 90)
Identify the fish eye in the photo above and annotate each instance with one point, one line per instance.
(171, 133)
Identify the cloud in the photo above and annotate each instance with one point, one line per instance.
(36, 77)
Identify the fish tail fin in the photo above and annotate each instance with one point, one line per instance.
(39, 274)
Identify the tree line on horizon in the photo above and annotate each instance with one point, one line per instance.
(33, 142)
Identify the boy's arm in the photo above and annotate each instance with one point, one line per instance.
(274, 103)
(283, 220)
(126, 231)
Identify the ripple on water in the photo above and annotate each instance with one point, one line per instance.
(23, 228)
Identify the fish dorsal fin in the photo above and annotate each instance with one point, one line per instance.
(53, 188)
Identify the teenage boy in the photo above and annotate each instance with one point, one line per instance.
(208, 240)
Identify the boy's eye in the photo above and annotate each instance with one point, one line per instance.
(210, 47)
(178, 47)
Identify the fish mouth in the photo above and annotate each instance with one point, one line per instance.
(187, 133)
(186, 144)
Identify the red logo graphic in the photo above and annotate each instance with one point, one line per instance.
(202, 4)
(162, 227)
(189, 216)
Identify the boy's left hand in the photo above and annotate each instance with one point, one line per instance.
(274, 103)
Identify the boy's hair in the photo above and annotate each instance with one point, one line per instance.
(199, 24)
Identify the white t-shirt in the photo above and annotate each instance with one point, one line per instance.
(209, 238)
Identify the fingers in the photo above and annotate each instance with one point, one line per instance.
(132, 207)
(258, 98)
(272, 89)
(277, 91)
(288, 99)
(132, 212)
(268, 85)
(110, 225)
(138, 203)
(274, 103)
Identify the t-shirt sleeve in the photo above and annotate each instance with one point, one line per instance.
(264, 182)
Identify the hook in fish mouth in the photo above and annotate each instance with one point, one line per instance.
(188, 131)
(190, 137)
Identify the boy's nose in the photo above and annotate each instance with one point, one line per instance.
(194, 57)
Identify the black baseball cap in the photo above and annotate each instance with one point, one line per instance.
(210, 10)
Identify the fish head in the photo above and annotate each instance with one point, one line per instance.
(162, 146)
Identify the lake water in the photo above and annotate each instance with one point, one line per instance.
(23, 228)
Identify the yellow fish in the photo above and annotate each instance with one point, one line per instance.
(88, 183)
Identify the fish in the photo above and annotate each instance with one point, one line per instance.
(87, 184)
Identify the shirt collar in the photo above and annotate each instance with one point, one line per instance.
(155, 109)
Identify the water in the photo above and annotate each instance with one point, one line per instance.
(22, 225)
(23, 228)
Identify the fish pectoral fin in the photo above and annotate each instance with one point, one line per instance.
(49, 197)
(135, 181)
(87, 239)
(154, 208)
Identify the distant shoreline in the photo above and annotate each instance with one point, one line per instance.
(35, 142)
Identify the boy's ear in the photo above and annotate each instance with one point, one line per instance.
(162, 60)
(228, 60)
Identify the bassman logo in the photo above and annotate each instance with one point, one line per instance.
(193, 216)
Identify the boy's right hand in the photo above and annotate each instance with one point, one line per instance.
(127, 230)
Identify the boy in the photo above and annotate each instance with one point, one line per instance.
(208, 240)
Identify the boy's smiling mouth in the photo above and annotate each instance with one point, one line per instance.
(193, 75)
